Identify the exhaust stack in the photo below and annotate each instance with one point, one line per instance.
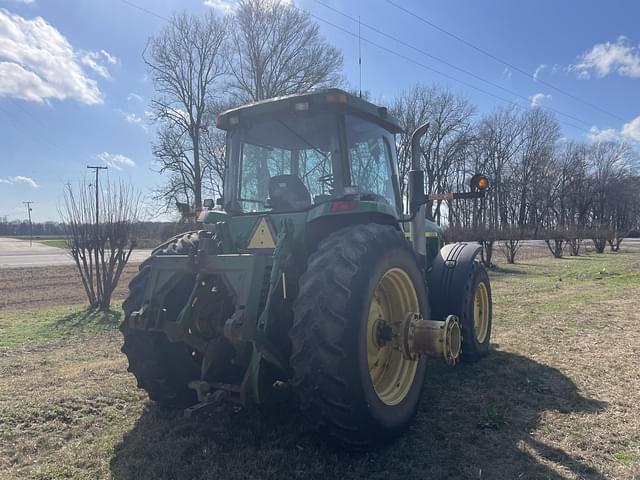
(416, 193)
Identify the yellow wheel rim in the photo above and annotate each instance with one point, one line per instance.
(392, 373)
(481, 312)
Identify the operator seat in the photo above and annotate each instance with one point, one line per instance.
(288, 192)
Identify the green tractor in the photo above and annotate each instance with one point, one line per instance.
(308, 282)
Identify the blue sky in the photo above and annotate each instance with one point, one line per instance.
(73, 88)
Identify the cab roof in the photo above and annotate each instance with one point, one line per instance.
(319, 100)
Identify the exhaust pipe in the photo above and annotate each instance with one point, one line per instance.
(417, 193)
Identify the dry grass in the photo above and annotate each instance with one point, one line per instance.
(559, 397)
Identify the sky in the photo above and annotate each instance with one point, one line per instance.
(74, 89)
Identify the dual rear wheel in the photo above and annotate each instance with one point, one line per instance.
(351, 374)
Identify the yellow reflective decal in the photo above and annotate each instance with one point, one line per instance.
(262, 236)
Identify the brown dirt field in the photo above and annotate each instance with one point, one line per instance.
(48, 286)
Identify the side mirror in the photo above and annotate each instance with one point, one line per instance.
(417, 197)
(208, 203)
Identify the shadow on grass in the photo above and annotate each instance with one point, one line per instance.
(474, 422)
(497, 270)
(88, 321)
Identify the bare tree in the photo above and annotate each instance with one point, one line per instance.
(100, 249)
(185, 61)
(278, 50)
(445, 145)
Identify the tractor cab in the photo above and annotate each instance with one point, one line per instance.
(293, 153)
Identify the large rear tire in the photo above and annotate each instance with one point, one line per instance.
(161, 367)
(353, 382)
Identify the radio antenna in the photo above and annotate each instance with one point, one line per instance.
(360, 55)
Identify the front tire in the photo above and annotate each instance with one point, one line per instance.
(351, 378)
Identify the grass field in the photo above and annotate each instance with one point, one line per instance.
(54, 242)
(50, 240)
(558, 397)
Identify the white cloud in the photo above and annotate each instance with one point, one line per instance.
(507, 73)
(26, 2)
(30, 182)
(597, 134)
(537, 99)
(631, 130)
(115, 160)
(134, 96)
(134, 119)
(25, 181)
(619, 57)
(94, 60)
(539, 70)
(224, 6)
(112, 59)
(38, 63)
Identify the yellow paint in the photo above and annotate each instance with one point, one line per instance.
(481, 312)
(262, 237)
(392, 372)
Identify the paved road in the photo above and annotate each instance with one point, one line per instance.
(17, 254)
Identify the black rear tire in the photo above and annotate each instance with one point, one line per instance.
(161, 367)
(331, 376)
(474, 348)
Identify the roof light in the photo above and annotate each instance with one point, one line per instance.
(301, 106)
(337, 98)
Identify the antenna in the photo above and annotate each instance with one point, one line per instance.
(360, 55)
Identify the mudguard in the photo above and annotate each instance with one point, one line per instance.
(447, 279)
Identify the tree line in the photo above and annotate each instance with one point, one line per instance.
(543, 185)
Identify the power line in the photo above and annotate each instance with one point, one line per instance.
(449, 64)
(431, 69)
(142, 9)
(504, 62)
(393, 52)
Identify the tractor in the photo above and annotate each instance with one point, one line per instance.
(308, 283)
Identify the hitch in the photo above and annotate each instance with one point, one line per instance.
(213, 397)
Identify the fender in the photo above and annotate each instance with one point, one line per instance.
(447, 278)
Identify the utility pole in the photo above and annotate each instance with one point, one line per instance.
(97, 169)
(28, 204)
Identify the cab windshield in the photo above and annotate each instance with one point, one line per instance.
(287, 163)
